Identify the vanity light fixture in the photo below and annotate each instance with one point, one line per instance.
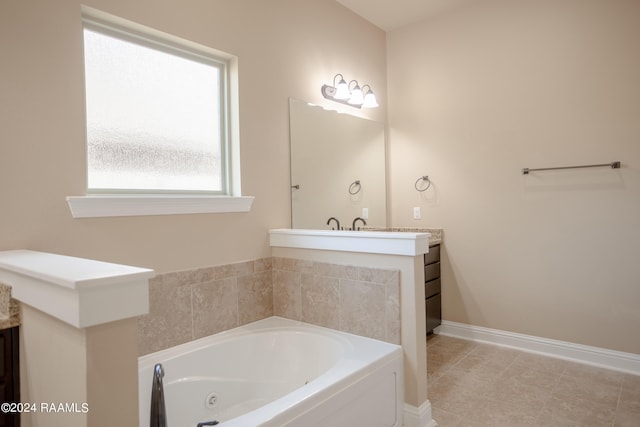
(349, 94)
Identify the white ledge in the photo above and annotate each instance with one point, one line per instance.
(80, 292)
(107, 205)
(376, 242)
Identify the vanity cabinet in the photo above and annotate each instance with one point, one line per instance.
(9, 375)
(432, 287)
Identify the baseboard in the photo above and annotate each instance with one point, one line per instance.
(610, 359)
(418, 417)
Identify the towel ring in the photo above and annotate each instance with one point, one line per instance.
(355, 187)
(423, 178)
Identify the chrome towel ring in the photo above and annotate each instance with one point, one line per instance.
(423, 178)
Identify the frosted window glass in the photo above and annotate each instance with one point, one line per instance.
(153, 118)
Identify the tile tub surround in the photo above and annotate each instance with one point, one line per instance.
(360, 300)
(190, 304)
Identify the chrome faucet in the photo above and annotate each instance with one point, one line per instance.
(353, 225)
(337, 223)
(158, 417)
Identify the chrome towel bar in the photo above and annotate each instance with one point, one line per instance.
(612, 165)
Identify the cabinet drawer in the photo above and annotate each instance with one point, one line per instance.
(434, 312)
(432, 288)
(433, 255)
(431, 271)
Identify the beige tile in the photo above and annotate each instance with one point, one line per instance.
(464, 380)
(255, 297)
(451, 343)
(435, 370)
(287, 294)
(590, 388)
(215, 307)
(519, 390)
(200, 275)
(434, 339)
(392, 309)
(626, 418)
(448, 350)
(487, 358)
(262, 264)
(631, 382)
(570, 410)
(478, 382)
(629, 399)
(169, 320)
(361, 306)
(448, 396)
(445, 418)
(540, 363)
(546, 381)
(237, 269)
(320, 296)
(335, 270)
(377, 275)
(493, 413)
(291, 264)
(594, 373)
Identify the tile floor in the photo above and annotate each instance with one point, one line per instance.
(473, 384)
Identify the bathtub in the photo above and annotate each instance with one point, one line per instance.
(278, 372)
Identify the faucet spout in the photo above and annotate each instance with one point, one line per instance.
(353, 225)
(158, 416)
(337, 223)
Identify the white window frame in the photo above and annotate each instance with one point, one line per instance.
(103, 204)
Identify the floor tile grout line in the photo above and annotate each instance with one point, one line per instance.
(615, 411)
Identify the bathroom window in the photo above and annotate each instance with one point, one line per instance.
(159, 117)
(155, 115)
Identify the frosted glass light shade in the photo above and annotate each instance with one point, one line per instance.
(342, 90)
(356, 96)
(370, 100)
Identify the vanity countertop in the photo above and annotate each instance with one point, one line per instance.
(434, 239)
(9, 308)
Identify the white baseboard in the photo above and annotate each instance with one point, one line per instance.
(418, 417)
(610, 359)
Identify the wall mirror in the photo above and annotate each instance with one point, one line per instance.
(330, 152)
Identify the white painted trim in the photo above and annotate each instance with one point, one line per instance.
(377, 242)
(596, 356)
(418, 417)
(80, 292)
(96, 206)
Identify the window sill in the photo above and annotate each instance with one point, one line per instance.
(97, 206)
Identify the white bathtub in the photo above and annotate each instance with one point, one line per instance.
(278, 372)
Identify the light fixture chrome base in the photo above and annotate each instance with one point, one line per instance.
(329, 92)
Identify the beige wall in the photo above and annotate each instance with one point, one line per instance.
(483, 90)
(285, 48)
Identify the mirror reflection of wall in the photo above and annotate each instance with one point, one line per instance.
(329, 152)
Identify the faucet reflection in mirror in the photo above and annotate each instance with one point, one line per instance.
(350, 94)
